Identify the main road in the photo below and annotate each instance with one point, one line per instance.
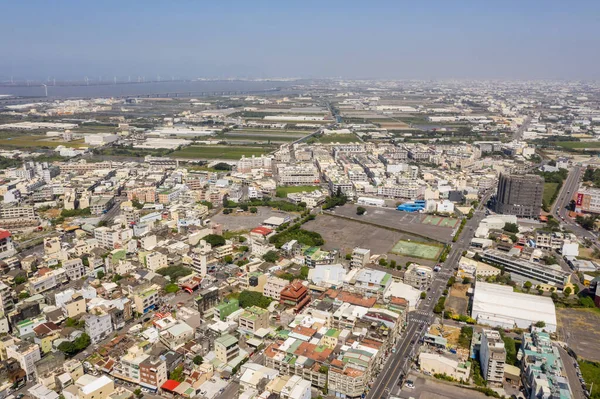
(418, 320)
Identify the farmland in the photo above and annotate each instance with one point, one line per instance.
(219, 152)
(337, 138)
(38, 141)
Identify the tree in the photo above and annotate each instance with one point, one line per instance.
(20, 279)
(382, 262)
(466, 280)
(392, 264)
(540, 324)
(177, 374)
(244, 207)
(222, 166)
(575, 289)
(215, 240)
(100, 275)
(198, 360)
(137, 204)
(138, 393)
(360, 210)
(423, 295)
(253, 209)
(567, 291)
(348, 256)
(271, 256)
(226, 211)
(171, 288)
(251, 298)
(511, 227)
(228, 259)
(527, 285)
(73, 348)
(208, 204)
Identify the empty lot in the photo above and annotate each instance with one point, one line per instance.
(345, 235)
(579, 328)
(406, 221)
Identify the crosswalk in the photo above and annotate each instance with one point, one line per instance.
(417, 320)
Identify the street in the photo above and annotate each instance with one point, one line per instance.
(419, 320)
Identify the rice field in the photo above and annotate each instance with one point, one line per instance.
(219, 152)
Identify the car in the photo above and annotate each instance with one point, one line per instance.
(409, 384)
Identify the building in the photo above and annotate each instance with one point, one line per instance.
(98, 326)
(543, 375)
(253, 319)
(226, 348)
(89, 387)
(498, 306)
(153, 373)
(588, 200)
(74, 268)
(526, 270)
(274, 286)
(26, 354)
(107, 237)
(360, 257)
(145, 299)
(492, 355)
(155, 261)
(225, 308)
(436, 363)
(520, 195)
(7, 248)
(259, 240)
(177, 335)
(295, 295)
(7, 303)
(418, 276)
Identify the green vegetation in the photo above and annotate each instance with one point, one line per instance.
(552, 177)
(281, 205)
(282, 192)
(360, 211)
(463, 222)
(465, 337)
(577, 145)
(174, 272)
(171, 288)
(208, 204)
(592, 175)
(271, 256)
(305, 237)
(550, 190)
(587, 222)
(198, 360)
(73, 348)
(219, 152)
(591, 375)
(439, 306)
(251, 298)
(511, 228)
(415, 249)
(222, 166)
(215, 240)
(100, 275)
(177, 374)
(38, 141)
(68, 213)
(335, 138)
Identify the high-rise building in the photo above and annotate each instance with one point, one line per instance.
(520, 195)
(492, 356)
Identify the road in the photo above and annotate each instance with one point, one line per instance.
(574, 383)
(417, 322)
(519, 132)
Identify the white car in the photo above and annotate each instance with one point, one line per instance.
(409, 384)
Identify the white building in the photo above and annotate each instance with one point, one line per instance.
(100, 138)
(492, 356)
(499, 306)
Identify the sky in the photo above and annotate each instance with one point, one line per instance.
(485, 39)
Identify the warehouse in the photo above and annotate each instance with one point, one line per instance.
(498, 306)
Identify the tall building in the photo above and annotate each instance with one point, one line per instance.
(520, 195)
(492, 356)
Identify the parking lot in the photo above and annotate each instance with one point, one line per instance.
(236, 221)
(390, 217)
(345, 235)
(425, 388)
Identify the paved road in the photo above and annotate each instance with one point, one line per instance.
(519, 132)
(574, 383)
(398, 363)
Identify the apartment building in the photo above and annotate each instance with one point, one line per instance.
(155, 261)
(74, 268)
(98, 326)
(587, 200)
(7, 248)
(226, 348)
(253, 281)
(417, 276)
(253, 319)
(7, 303)
(297, 175)
(349, 375)
(17, 212)
(83, 247)
(360, 257)
(295, 357)
(153, 373)
(492, 356)
(520, 195)
(410, 190)
(145, 299)
(274, 286)
(259, 240)
(26, 353)
(107, 237)
(100, 204)
(47, 281)
(225, 308)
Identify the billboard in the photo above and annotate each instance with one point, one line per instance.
(579, 201)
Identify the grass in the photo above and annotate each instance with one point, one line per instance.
(240, 137)
(219, 152)
(549, 190)
(578, 144)
(38, 141)
(338, 138)
(591, 374)
(417, 249)
(282, 192)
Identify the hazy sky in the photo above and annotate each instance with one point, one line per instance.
(368, 39)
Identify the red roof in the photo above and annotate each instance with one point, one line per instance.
(265, 231)
(170, 385)
(4, 234)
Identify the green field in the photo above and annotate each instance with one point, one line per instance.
(282, 192)
(575, 145)
(252, 138)
(549, 190)
(591, 374)
(219, 152)
(417, 249)
(38, 141)
(338, 138)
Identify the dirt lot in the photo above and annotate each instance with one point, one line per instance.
(390, 217)
(457, 301)
(451, 333)
(246, 220)
(579, 328)
(345, 235)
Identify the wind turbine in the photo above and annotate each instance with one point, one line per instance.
(45, 89)
(87, 81)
